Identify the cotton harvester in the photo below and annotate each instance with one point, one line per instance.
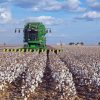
(34, 38)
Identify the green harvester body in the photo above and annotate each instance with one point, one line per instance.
(34, 38)
(34, 35)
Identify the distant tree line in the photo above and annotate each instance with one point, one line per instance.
(78, 43)
(98, 43)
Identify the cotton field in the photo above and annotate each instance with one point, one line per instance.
(72, 74)
(84, 64)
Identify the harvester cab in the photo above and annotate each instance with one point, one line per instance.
(34, 38)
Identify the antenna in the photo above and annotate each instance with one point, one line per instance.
(61, 44)
(49, 30)
(15, 30)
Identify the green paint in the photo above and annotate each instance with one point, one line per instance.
(40, 41)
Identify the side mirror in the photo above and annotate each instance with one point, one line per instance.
(50, 31)
(46, 31)
(19, 31)
(15, 30)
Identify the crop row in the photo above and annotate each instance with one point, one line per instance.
(84, 64)
(73, 73)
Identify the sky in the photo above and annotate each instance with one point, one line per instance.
(69, 20)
